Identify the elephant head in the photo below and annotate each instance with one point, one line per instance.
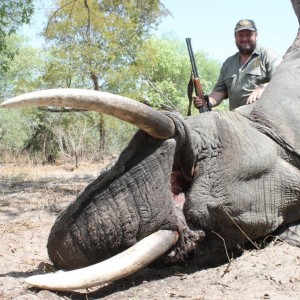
(232, 175)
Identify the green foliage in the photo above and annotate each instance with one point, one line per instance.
(223, 106)
(91, 39)
(14, 130)
(119, 133)
(41, 138)
(96, 45)
(13, 13)
(23, 75)
(25, 70)
(164, 69)
(160, 80)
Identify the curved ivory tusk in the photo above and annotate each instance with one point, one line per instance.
(119, 266)
(153, 122)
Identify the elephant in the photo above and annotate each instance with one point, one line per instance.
(204, 185)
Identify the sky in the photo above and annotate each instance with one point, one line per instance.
(210, 23)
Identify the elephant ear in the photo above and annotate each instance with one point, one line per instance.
(277, 113)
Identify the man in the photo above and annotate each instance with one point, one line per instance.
(243, 76)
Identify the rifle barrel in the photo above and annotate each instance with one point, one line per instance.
(197, 84)
(192, 58)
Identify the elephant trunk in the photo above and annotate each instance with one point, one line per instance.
(125, 204)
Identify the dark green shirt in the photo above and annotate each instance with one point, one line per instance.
(238, 81)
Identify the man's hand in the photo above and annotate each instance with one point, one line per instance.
(198, 102)
(255, 94)
(215, 98)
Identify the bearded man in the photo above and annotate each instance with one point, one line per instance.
(243, 76)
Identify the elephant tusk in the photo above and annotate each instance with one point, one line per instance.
(153, 122)
(119, 266)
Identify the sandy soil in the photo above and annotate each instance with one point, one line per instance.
(30, 205)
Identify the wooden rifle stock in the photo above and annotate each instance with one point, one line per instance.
(198, 88)
(196, 80)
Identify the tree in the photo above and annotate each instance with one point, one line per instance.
(36, 130)
(23, 75)
(13, 13)
(25, 69)
(93, 39)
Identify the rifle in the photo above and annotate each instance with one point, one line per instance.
(196, 81)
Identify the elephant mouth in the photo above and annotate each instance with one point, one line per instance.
(157, 125)
(188, 238)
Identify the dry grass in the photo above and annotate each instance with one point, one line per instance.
(43, 187)
(28, 172)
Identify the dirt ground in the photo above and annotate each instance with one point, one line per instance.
(30, 201)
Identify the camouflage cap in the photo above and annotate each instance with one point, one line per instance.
(245, 24)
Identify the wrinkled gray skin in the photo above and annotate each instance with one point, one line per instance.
(238, 172)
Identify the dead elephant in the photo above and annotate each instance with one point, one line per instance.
(231, 176)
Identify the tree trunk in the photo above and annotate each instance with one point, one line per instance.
(102, 135)
(102, 125)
